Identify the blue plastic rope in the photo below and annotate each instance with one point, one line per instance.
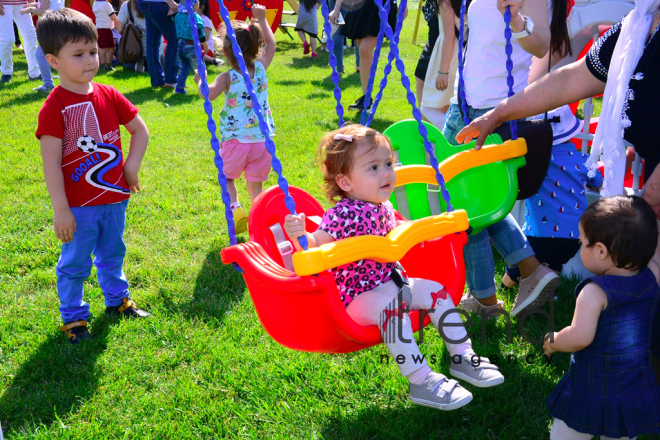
(508, 48)
(388, 68)
(270, 146)
(333, 61)
(394, 48)
(208, 108)
(461, 82)
(373, 69)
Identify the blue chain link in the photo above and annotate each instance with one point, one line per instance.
(508, 49)
(333, 60)
(373, 69)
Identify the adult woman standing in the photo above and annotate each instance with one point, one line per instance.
(363, 24)
(157, 13)
(134, 17)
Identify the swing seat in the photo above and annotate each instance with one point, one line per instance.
(484, 187)
(304, 312)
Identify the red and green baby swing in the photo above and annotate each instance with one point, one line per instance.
(294, 294)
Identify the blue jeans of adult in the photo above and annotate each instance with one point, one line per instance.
(159, 25)
(187, 61)
(338, 40)
(506, 235)
(99, 231)
(46, 74)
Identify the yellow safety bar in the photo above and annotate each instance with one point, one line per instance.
(382, 249)
(459, 162)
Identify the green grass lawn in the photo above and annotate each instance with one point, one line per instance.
(203, 367)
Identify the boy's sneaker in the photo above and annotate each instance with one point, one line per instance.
(5, 78)
(472, 305)
(128, 309)
(305, 48)
(76, 331)
(439, 392)
(240, 220)
(180, 90)
(476, 370)
(43, 89)
(535, 290)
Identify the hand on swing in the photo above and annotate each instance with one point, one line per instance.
(294, 225)
(480, 128)
(514, 6)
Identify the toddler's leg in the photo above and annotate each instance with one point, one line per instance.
(561, 431)
(465, 364)
(253, 189)
(302, 36)
(75, 264)
(231, 188)
(184, 68)
(110, 251)
(313, 42)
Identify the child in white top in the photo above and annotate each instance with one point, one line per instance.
(243, 146)
(358, 169)
(106, 20)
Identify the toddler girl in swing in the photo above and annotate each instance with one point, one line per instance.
(358, 170)
(243, 146)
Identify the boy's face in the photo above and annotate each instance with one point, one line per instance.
(76, 62)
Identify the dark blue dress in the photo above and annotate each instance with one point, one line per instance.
(610, 388)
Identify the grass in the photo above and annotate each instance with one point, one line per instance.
(203, 367)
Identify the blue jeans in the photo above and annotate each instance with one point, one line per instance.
(187, 61)
(338, 40)
(506, 235)
(99, 231)
(46, 74)
(159, 25)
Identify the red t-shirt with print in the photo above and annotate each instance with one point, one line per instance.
(92, 159)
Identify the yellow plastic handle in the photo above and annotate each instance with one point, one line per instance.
(382, 249)
(459, 162)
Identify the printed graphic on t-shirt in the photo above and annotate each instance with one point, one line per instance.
(88, 155)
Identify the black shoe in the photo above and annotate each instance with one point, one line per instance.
(359, 104)
(128, 309)
(5, 78)
(76, 331)
(36, 78)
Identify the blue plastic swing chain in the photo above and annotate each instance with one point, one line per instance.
(270, 145)
(394, 49)
(372, 69)
(333, 61)
(508, 49)
(215, 144)
(388, 66)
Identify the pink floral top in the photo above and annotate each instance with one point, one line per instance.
(352, 218)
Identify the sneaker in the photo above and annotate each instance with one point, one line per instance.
(43, 89)
(480, 373)
(127, 309)
(439, 392)
(76, 331)
(36, 78)
(535, 290)
(359, 104)
(305, 48)
(472, 305)
(180, 90)
(5, 78)
(314, 54)
(218, 62)
(240, 220)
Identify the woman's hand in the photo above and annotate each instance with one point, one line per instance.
(480, 128)
(442, 81)
(334, 15)
(514, 6)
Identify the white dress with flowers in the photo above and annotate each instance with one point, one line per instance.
(238, 119)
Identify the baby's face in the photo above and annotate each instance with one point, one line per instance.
(372, 177)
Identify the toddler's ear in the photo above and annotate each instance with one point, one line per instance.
(343, 182)
(603, 253)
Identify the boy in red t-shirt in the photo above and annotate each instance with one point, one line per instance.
(88, 181)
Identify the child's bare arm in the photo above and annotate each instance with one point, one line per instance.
(139, 141)
(294, 226)
(216, 88)
(654, 264)
(259, 13)
(64, 223)
(590, 303)
(35, 8)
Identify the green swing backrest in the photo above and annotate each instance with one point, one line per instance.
(486, 192)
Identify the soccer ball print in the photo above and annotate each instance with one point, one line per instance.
(87, 144)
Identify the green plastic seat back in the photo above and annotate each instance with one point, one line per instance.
(487, 192)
